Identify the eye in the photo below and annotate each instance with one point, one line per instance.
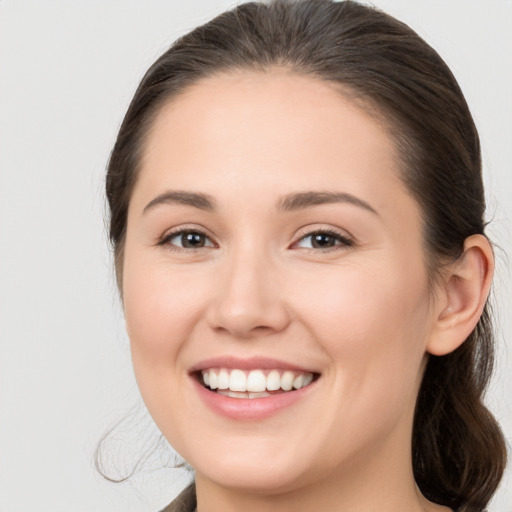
(324, 239)
(187, 239)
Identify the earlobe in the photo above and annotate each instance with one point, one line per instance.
(465, 288)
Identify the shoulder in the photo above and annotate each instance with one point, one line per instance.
(185, 502)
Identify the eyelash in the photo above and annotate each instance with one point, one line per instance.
(341, 241)
(181, 232)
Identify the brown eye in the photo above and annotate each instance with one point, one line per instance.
(324, 240)
(188, 240)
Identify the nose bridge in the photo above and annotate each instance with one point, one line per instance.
(248, 298)
(251, 276)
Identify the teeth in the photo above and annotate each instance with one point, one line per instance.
(298, 381)
(233, 394)
(213, 379)
(273, 380)
(256, 381)
(237, 381)
(223, 381)
(254, 384)
(237, 394)
(287, 381)
(262, 394)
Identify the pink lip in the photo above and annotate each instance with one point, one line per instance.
(249, 409)
(252, 363)
(242, 409)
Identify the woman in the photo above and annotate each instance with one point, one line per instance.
(297, 218)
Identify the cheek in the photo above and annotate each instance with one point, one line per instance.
(349, 302)
(373, 324)
(159, 310)
(369, 327)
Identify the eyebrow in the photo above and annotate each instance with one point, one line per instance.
(288, 203)
(302, 200)
(195, 199)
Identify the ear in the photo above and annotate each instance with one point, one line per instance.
(461, 296)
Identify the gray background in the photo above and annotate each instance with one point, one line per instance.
(67, 73)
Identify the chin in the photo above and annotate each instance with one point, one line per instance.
(254, 480)
(246, 472)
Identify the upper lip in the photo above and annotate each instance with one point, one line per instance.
(251, 363)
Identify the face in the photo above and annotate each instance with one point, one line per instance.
(271, 244)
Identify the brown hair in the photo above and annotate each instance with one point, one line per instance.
(459, 452)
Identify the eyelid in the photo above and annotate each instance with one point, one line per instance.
(185, 228)
(343, 236)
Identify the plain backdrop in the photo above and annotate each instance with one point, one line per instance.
(67, 73)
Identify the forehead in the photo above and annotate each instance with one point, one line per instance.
(276, 129)
(268, 101)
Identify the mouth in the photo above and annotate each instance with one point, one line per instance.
(252, 384)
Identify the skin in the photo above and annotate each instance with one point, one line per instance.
(358, 313)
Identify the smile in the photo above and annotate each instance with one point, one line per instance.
(269, 386)
(260, 383)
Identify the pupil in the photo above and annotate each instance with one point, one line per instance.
(322, 240)
(192, 240)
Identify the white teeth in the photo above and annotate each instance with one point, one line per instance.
(273, 380)
(233, 394)
(262, 394)
(238, 394)
(287, 381)
(298, 381)
(237, 381)
(255, 383)
(223, 381)
(213, 379)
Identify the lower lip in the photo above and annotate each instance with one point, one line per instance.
(250, 409)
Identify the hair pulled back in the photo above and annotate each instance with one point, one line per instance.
(459, 452)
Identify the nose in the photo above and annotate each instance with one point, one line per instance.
(250, 299)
